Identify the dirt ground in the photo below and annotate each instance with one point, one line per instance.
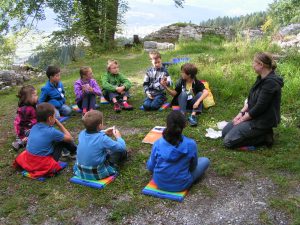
(225, 201)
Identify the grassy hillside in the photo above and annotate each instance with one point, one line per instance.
(227, 66)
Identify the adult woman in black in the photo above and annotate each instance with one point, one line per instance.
(253, 125)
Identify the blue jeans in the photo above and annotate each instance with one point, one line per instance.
(202, 165)
(87, 102)
(185, 104)
(65, 110)
(154, 104)
(242, 135)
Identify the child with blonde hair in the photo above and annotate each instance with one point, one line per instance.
(86, 89)
(116, 87)
(26, 115)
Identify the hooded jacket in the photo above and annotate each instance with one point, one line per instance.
(264, 101)
(171, 165)
(52, 94)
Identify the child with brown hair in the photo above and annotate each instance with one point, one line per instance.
(189, 92)
(116, 86)
(86, 89)
(45, 144)
(97, 152)
(26, 115)
(154, 90)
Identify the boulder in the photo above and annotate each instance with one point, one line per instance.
(189, 33)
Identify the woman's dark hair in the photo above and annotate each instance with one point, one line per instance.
(24, 95)
(175, 124)
(266, 59)
(189, 69)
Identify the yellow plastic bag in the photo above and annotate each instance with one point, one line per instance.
(209, 100)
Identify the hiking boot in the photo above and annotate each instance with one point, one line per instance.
(117, 107)
(193, 121)
(126, 106)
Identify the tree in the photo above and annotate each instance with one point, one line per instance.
(284, 12)
(98, 20)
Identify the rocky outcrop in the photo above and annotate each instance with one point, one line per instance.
(174, 32)
(17, 75)
(252, 34)
(289, 36)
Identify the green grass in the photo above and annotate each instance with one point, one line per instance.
(227, 68)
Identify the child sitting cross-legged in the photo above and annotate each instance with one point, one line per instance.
(116, 87)
(97, 153)
(86, 89)
(26, 115)
(45, 144)
(173, 160)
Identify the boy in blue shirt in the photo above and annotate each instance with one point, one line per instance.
(45, 144)
(153, 80)
(97, 152)
(54, 93)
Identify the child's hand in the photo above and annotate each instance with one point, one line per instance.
(120, 89)
(90, 89)
(25, 139)
(150, 96)
(109, 131)
(116, 133)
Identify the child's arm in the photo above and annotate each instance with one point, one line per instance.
(95, 87)
(126, 83)
(43, 95)
(152, 160)
(118, 146)
(146, 85)
(78, 90)
(67, 136)
(203, 96)
(106, 85)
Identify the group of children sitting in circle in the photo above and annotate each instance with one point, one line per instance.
(173, 160)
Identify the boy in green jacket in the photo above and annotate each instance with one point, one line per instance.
(116, 87)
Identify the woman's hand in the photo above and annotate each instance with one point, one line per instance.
(237, 118)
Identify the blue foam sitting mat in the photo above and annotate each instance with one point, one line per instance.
(99, 184)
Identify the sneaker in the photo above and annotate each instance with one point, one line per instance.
(117, 107)
(193, 121)
(126, 106)
(16, 146)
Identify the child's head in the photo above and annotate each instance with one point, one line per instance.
(53, 74)
(113, 66)
(188, 70)
(45, 112)
(155, 58)
(93, 120)
(86, 72)
(27, 96)
(175, 124)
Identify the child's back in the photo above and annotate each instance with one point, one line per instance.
(96, 151)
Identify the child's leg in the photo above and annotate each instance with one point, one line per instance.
(91, 101)
(158, 101)
(147, 103)
(125, 103)
(200, 107)
(202, 165)
(117, 157)
(61, 146)
(65, 110)
(182, 101)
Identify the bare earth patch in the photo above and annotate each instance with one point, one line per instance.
(223, 201)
